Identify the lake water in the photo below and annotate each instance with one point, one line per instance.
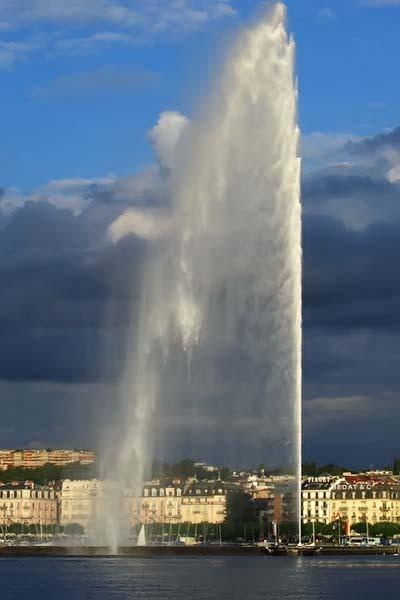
(200, 578)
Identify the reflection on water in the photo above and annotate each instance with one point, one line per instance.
(228, 578)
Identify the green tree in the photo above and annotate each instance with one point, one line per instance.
(310, 469)
(241, 517)
(396, 466)
(74, 529)
(385, 529)
(361, 528)
(320, 529)
(49, 472)
(240, 508)
(184, 468)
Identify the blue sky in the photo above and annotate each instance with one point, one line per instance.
(81, 86)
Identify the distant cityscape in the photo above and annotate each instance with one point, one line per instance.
(46, 492)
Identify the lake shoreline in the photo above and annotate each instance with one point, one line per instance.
(195, 551)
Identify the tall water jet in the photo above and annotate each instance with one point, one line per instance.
(222, 282)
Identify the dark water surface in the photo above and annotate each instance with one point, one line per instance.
(250, 578)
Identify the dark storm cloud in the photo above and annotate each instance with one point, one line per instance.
(377, 142)
(351, 278)
(351, 296)
(66, 292)
(317, 189)
(356, 200)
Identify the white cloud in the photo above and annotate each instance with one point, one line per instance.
(126, 22)
(165, 136)
(68, 194)
(12, 52)
(76, 45)
(394, 173)
(320, 150)
(81, 184)
(148, 224)
(129, 188)
(75, 194)
(71, 11)
(318, 144)
(146, 17)
(131, 22)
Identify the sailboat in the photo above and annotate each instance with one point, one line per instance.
(141, 541)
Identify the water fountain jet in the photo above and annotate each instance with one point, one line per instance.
(227, 274)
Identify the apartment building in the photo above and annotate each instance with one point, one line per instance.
(316, 499)
(31, 458)
(161, 502)
(359, 498)
(27, 504)
(177, 502)
(205, 502)
(78, 501)
(353, 497)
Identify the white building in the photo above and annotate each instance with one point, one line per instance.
(78, 498)
(316, 499)
(28, 504)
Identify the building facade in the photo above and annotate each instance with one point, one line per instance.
(356, 499)
(28, 504)
(161, 502)
(177, 502)
(205, 502)
(352, 498)
(317, 499)
(78, 501)
(30, 459)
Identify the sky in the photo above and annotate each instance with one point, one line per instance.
(82, 84)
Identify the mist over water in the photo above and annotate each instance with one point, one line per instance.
(213, 367)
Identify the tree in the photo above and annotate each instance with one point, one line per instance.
(184, 468)
(360, 528)
(49, 472)
(288, 530)
(396, 466)
(240, 508)
(241, 516)
(74, 529)
(385, 529)
(311, 469)
(320, 529)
